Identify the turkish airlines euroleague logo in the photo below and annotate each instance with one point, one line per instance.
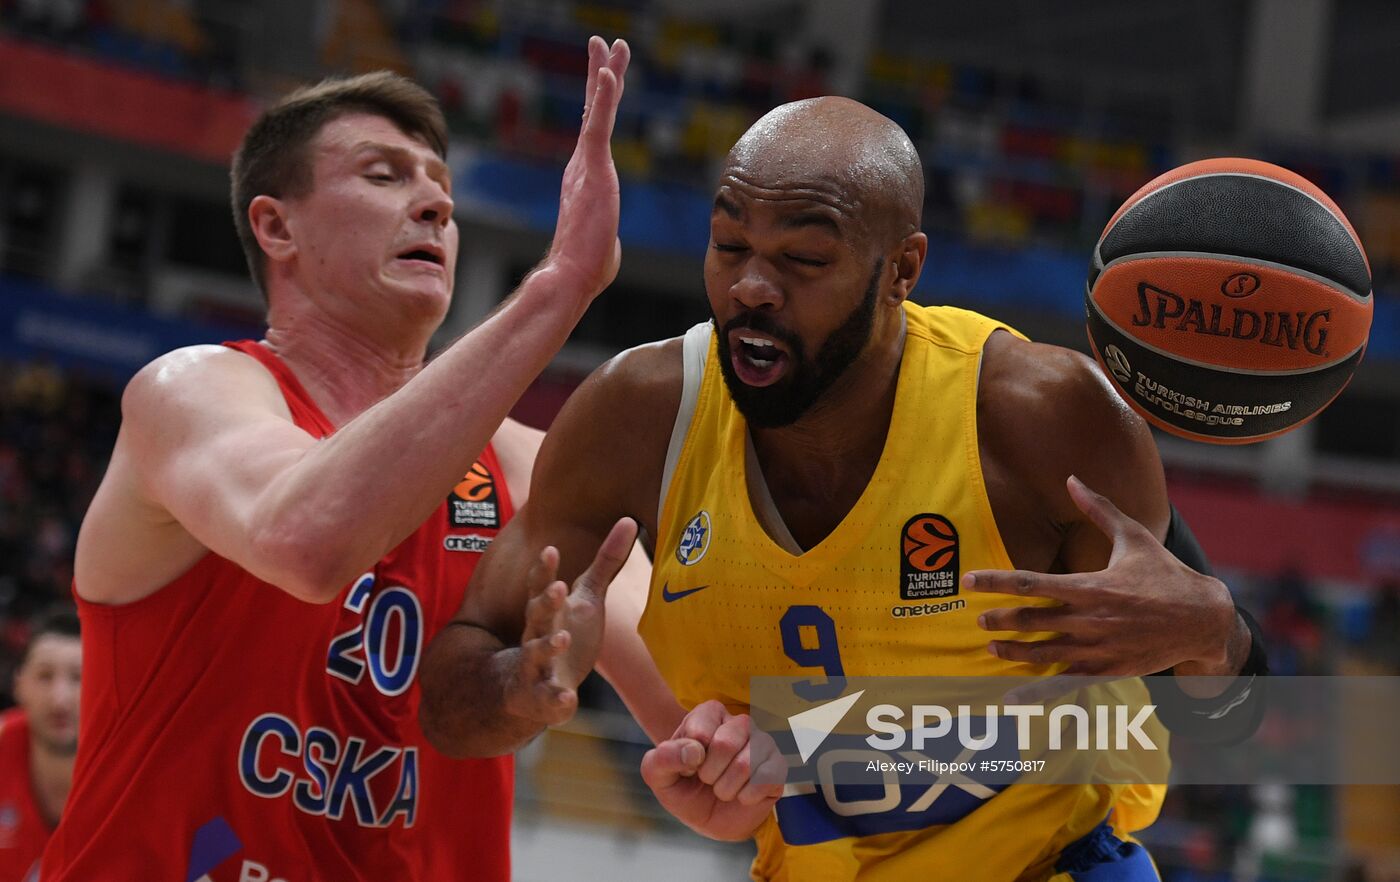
(472, 502)
(928, 561)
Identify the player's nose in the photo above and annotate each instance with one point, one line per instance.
(757, 287)
(433, 205)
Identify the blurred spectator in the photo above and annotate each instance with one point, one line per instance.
(1381, 645)
(49, 18)
(163, 22)
(1294, 622)
(358, 40)
(55, 432)
(38, 741)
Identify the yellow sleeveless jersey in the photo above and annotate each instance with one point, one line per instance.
(879, 596)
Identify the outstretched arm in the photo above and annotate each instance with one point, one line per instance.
(208, 457)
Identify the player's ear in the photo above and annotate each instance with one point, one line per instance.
(908, 263)
(267, 218)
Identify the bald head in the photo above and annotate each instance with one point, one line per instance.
(841, 149)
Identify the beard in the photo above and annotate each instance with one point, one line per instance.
(784, 402)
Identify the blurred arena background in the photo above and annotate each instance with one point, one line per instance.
(1035, 119)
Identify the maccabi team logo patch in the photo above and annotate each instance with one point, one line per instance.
(928, 559)
(695, 540)
(472, 502)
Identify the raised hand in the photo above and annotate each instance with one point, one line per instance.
(563, 630)
(586, 251)
(1143, 613)
(717, 774)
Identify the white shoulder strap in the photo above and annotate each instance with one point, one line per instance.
(695, 349)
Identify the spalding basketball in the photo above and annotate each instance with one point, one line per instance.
(1229, 301)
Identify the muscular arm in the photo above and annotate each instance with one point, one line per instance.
(208, 458)
(489, 683)
(623, 660)
(1081, 428)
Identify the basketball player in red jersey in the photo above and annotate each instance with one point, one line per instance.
(38, 739)
(286, 523)
(802, 389)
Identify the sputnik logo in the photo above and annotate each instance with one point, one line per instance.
(811, 727)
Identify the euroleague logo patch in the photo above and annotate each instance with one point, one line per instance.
(928, 560)
(695, 540)
(1118, 363)
(472, 502)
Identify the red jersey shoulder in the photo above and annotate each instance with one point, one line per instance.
(12, 720)
(14, 748)
(23, 831)
(320, 769)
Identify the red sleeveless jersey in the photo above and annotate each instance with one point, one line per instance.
(230, 731)
(23, 830)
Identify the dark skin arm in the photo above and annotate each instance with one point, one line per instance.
(509, 663)
(1050, 428)
(501, 671)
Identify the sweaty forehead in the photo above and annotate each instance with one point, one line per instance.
(801, 204)
(786, 173)
(831, 151)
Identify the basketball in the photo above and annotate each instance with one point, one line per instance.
(1229, 301)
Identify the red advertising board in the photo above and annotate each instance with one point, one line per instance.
(86, 95)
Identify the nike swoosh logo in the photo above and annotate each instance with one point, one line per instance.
(672, 596)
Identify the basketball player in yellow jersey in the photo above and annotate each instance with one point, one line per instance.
(798, 468)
